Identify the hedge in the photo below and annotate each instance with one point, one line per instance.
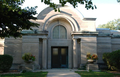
(112, 60)
(5, 62)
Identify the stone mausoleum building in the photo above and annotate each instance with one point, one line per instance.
(62, 40)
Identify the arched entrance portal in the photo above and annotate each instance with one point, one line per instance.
(59, 43)
(59, 55)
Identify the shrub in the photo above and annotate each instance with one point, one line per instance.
(112, 60)
(105, 57)
(5, 62)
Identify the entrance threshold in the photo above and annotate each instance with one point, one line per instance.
(57, 70)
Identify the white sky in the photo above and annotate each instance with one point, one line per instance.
(107, 10)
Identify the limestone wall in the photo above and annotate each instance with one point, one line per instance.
(74, 17)
(30, 44)
(88, 26)
(88, 45)
(115, 44)
(107, 41)
(1, 46)
(115, 41)
(103, 45)
(13, 47)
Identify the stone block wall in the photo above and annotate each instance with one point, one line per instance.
(115, 44)
(13, 47)
(88, 45)
(107, 41)
(103, 45)
(1, 46)
(30, 44)
(88, 26)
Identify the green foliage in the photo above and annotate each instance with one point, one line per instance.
(113, 25)
(90, 70)
(93, 57)
(27, 57)
(118, 0)
(105, 57)
(83, 67)
(26, 74)
(5, 62)
(13, 18)
(112, 60)
(95, 74)
(24, 71)
(88, 3)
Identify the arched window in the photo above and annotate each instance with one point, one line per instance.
(59, 32)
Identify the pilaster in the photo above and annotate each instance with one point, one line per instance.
(75, 58)
(44, 54)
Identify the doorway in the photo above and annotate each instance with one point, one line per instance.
(59, 57)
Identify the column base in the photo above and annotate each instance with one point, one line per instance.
(92, 67)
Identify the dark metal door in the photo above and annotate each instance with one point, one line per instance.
(59, 57)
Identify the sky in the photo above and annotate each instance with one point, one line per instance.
(106, 11)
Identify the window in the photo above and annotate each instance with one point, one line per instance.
(59, 32)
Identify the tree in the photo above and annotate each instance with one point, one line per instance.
(113, 25)
(118, 0)
(88, 3)
(13, 19)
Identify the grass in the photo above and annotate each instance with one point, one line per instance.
(96, 74)
(27, 74)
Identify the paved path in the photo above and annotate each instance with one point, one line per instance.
(62, 73)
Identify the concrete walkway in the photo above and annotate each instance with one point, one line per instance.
(62, 73)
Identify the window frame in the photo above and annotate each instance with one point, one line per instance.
(59, 33)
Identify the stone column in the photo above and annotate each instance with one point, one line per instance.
(75, 58)
(44, 54)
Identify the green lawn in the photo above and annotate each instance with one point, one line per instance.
(96, 74)
(27, 74)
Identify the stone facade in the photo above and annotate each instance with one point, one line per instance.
(1, 46)
(107, 41)
(81, 38)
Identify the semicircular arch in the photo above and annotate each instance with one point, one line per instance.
(71, 21)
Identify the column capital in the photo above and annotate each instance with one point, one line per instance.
(75, 38)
